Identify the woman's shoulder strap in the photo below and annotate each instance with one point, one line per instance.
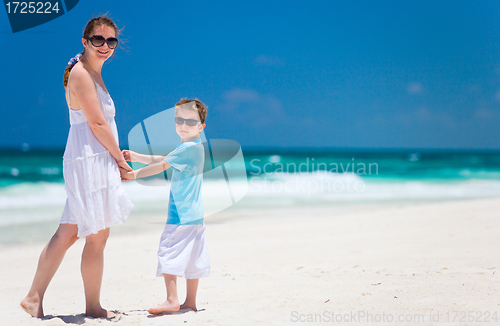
(68, 94)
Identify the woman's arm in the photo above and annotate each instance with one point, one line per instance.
(132, 156)
(145, 171)
(85, 91)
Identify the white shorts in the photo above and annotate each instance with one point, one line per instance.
(183, 251)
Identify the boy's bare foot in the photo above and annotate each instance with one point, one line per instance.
(99, 313)
(188, 306)
(166, 306)
(33, 306)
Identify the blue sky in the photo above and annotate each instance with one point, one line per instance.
(350, 74)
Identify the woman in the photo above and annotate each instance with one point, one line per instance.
(96, 199)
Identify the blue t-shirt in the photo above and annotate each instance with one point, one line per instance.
(185, 204)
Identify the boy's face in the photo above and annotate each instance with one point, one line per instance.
(183, 130)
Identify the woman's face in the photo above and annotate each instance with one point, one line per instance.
(101, 53)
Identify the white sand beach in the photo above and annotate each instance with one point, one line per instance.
(417, 264)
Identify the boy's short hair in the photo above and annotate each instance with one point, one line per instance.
(202, 109)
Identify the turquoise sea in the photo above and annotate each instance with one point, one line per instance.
(32, 192)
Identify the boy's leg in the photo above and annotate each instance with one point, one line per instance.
(172, 303)
(198, 266)
(191, 289)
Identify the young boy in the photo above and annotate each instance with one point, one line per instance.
(183, 250)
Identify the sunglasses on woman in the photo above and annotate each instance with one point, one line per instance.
(189, 122)
(98, 41)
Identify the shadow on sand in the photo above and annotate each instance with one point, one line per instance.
(80, 319)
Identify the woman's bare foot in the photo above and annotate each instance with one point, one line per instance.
(99, 313)
(191, 306)
(33, 306)
(166, 306)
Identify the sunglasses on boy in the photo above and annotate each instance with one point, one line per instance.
(98, 41)
(189, 122)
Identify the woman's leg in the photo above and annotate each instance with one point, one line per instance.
(92, 269)
(50, 259)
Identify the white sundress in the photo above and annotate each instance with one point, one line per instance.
(96, 197)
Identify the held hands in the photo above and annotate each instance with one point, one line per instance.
(156, 164)
(126, 171)
(127, 175)
(129, 155)
(124, 165)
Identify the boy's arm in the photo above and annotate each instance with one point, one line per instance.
(146, 171)
(132, 156)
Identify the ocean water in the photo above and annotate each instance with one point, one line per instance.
(32, 192)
